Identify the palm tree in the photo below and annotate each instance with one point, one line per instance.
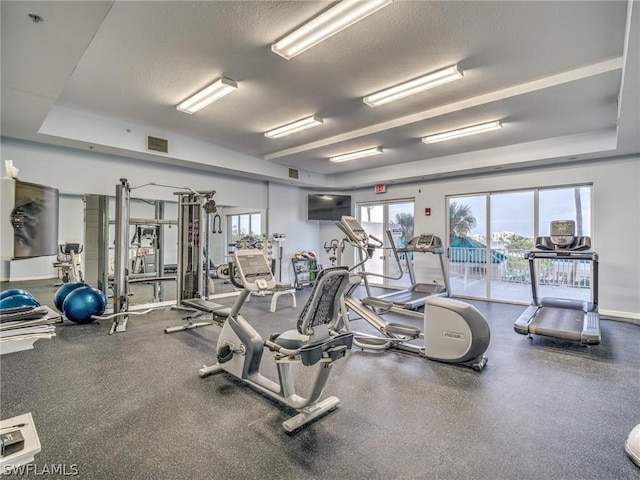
(405, 221)
(461, 220)
(578, 201)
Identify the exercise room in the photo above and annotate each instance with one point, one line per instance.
(350, 239)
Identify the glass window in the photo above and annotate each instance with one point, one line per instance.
(246, 224)
(572, 203)
(505, 233)
(468, 245)
(376, 219)
(512, 236)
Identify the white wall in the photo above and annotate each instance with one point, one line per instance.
(76, 172)
(288, 215)
(616, 197)
(79, 172)
(616, 218)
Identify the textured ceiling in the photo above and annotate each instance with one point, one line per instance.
(546, 69)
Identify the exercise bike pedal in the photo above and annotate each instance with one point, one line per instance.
(224, 354)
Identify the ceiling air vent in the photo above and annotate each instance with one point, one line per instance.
(159, 145)
(293, 173)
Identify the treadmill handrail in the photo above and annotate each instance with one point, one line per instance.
(563, 254)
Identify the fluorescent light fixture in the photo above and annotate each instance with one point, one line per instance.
(462, 132)
(218, 89)
(328, 23)
(359, 154)
(294, 127)
(414, 86)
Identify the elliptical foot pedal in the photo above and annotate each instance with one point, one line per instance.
(404, 330)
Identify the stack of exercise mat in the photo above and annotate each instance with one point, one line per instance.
(23, 320)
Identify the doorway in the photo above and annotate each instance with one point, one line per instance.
(397, 217)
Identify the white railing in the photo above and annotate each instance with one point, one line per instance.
(511, 266)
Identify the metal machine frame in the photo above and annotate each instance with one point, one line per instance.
(194, 206)
(408, 300)
(453, 331)
(315, 342)
(559, 317)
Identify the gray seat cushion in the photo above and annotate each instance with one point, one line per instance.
(291, 339)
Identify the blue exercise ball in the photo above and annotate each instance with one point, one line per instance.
(63, 291)
(83, 303)
(18, 301)
(13, 291)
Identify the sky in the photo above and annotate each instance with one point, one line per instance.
(513, 211)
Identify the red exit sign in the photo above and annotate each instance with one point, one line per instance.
(380, 188)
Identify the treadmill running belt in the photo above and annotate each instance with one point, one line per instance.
(558, 322)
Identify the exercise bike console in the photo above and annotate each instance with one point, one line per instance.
(254, 270)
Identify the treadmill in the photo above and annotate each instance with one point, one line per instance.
(558, 317)
(416, 295)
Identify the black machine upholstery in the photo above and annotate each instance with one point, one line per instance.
(324, 302)
(322, 309)
(70, 247)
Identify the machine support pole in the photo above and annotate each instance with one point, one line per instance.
(159, 249)
(121, 263)
(207, 257)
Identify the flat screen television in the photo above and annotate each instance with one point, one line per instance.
(328, 206)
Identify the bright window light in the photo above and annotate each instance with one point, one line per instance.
(462, 132)
(294, 127)
(215, 91)
(414, 86)
(328, 23)
(359, 154)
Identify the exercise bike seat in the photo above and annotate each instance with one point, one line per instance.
(315, 334)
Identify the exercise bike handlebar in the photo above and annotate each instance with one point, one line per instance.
(274, 347)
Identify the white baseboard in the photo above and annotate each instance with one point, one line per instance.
(622, 316)
(26, 279)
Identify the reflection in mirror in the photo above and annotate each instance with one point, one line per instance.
(152, 244)
(153, 247)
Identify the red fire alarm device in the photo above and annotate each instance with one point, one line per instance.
(380, 188)
(427, 211)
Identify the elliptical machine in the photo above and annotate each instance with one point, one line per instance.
(454, 332)
(315, 341)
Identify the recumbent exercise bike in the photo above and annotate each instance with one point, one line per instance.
(314, 342)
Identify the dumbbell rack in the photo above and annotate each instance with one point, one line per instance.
(305, 271)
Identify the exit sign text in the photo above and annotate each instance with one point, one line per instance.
(380, 188)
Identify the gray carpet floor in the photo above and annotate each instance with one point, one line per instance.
(132, 405)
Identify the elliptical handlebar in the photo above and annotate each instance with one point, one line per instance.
(367, 244)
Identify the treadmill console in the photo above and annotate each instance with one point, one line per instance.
(353, 229)
(423, 243)
(254, 270)
(563, 238)
(563, 232)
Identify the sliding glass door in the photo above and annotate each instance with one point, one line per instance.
(376, 219)
(467, 245)
(490, 234)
